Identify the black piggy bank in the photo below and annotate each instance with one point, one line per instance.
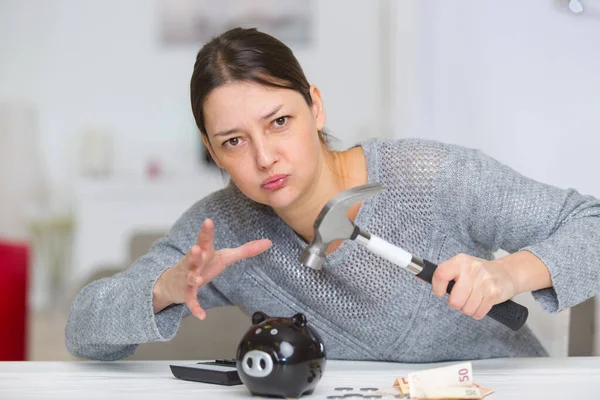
(280, 357)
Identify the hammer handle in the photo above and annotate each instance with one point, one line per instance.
(508, 313)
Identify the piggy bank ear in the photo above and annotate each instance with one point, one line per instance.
(299, 320)
(259, 317)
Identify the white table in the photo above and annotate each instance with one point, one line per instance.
(549, 378)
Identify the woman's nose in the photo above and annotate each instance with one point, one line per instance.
(266, 154)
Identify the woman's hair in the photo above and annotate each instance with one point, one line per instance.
(245, 55)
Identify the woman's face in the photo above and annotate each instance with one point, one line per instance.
(266, 139)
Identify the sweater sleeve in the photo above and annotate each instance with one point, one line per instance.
(487, 204)
(110, 317)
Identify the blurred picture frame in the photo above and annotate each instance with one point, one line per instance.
(195, 22)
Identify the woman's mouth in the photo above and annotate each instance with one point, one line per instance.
(275, 182)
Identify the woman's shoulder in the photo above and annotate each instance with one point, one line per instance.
(417, 153)
(405, 154)
(409, 145)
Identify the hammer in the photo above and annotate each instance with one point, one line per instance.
(332, 224)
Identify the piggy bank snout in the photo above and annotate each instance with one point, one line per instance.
(257, 364)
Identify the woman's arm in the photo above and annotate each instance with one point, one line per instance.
(554, 234)
(527, 271)
(111, 316)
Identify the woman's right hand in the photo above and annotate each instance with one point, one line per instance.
(180, 283)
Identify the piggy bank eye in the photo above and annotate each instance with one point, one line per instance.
(259, 317)
(274, 331)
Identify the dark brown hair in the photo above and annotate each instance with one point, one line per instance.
(245, 55)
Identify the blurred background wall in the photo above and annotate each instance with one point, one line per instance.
(97, 136)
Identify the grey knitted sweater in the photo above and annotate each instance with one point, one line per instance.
(440, 200)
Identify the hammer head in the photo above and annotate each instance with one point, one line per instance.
(332, 223)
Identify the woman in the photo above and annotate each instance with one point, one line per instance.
(262, 122)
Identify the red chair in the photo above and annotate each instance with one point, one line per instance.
(14, 264)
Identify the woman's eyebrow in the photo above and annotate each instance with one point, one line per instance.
(227, 132)
(272, 113)
(234, 130)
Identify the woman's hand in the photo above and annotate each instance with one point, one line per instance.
(200, 265)
(479, 284)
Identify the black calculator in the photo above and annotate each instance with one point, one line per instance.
(218, 372)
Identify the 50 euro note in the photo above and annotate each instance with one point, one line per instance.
(472, 391)
(451, 375)
(450, 382)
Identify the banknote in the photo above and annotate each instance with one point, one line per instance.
(452, 375)
(449, 382)
(472, 391)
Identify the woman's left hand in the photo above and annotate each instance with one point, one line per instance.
(479, 284)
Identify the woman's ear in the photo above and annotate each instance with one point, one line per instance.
(317, 107)
(210, 150)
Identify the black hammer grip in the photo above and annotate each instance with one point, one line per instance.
(509, 313)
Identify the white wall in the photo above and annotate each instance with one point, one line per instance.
(100, 64)
(518, 80)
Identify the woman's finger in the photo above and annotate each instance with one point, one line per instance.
(248, 250)
(206, 236)
(473, 302)
(191, 300)
(490, 295)
(444, 273)
(225, 257)
(194, 257)
(484, 308)
(460, 292)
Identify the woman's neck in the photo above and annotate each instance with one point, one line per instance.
(340, 171)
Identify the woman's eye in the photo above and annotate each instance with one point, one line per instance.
(281, 121)
(232, 142)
